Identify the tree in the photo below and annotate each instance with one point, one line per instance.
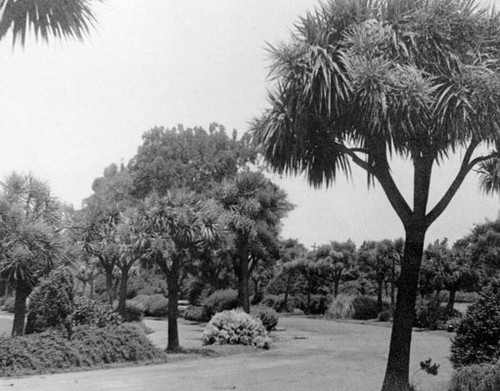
(46, 19)
(30, 243)
(363, 81)
(341, 258)
(254, 207)
(177, 226)
(189, 158)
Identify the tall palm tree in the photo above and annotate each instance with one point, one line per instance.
(30, 243)
(365, 80)
(46, 19)
(178, 227)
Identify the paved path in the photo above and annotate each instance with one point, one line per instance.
(310, 354)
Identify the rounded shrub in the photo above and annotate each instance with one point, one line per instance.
(154, 305)
(235, 328)
(429, 314)
(8, 305)
(267, 316)
(92, 313)
(134, 311)
(194, 313)
(51, 303)
(219, 301)
(354, 307)
(478, 334)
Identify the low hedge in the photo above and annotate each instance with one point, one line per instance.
(354, 307)
(153, 305)
(222, 300)
(89, 347)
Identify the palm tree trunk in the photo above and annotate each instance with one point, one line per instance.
(122, 298)
(398, 364)
(22, 292)
(243, 278)
(173, 298)
(451, 302)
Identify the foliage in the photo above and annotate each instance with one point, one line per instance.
(354, 307)
(153, 305)
(235, 328)
(478, 335)
(429, 314)
(8, 305)
(189, 158)
(134, 311)
(92, 313)
(276, 302)
(51, 303)
(485, 377)
(195, 314)
(385, 316)
(52, 351)
(219, 301)
(267, 316)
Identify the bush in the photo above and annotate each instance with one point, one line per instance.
(235, 328)
(476, 378)
(93, 313)
(8, 305)
(354, 307)
(158, 306)
(385, 316)
(478, 335)
(52, 351)
(134, 311)
(219, 301)
(267, 316)
(277, 302)
(51, 302)
(154, 305)
(194, 313)
(431, 315)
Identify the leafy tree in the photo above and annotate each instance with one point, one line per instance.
(46, 19)
(177, 226)
(341, 257)
(189, 158)
(254, 207)
(363, 81)
(30, 243)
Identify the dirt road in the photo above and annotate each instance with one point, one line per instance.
(309, 354)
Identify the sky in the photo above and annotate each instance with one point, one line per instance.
(70, 109)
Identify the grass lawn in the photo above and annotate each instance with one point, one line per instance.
(5, 326)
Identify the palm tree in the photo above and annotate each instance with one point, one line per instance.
(46, 19)
(30, 243)
(254, 207)
(178, 226)
(365, 80)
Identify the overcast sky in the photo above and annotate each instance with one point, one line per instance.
(70, 109)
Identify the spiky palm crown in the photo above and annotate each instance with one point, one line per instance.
(362, 79)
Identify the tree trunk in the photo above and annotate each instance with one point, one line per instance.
(451, 302)
(336, 284)
(22, 292)
(379, 295)
(287, 291)
(173, 298)
(122, 297)
(393, 294)
(109, 287)
(398, 364)
(91, 287)
(243, 277)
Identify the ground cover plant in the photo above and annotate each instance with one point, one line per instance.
(88, 347)
(485, 377)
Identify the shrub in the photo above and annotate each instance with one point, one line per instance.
(93, 313)
(431, 315)
(478, 335)
(267, 316)
(233, 328)
(317, 306)
(219, 301)
(158, 305)
(277, 302)
(194, 313)
(9, 305)
(385, 316)
(51, 302)
(134, 311)
(154, 305)
(52, 351)
(476, 378)
(354, 307)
